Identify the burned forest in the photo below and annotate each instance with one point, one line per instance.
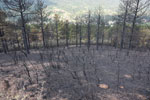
(74, 50)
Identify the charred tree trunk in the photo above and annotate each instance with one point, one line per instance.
(80, 30)
(89, 30)
(98, 32)
(124, 26)
(24, 33)
(133, 24)
(103, 26)
(42, 30)
(67, 34)
(5, 46)
(57, 33)
(77, 27)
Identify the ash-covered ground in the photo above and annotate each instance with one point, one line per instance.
(75, 73)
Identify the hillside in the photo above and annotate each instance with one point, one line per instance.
(69, 9)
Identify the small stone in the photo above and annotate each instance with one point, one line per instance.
(121, 87)
(128, 76)
(103, 86)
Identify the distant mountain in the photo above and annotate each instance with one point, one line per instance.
(69, 9)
